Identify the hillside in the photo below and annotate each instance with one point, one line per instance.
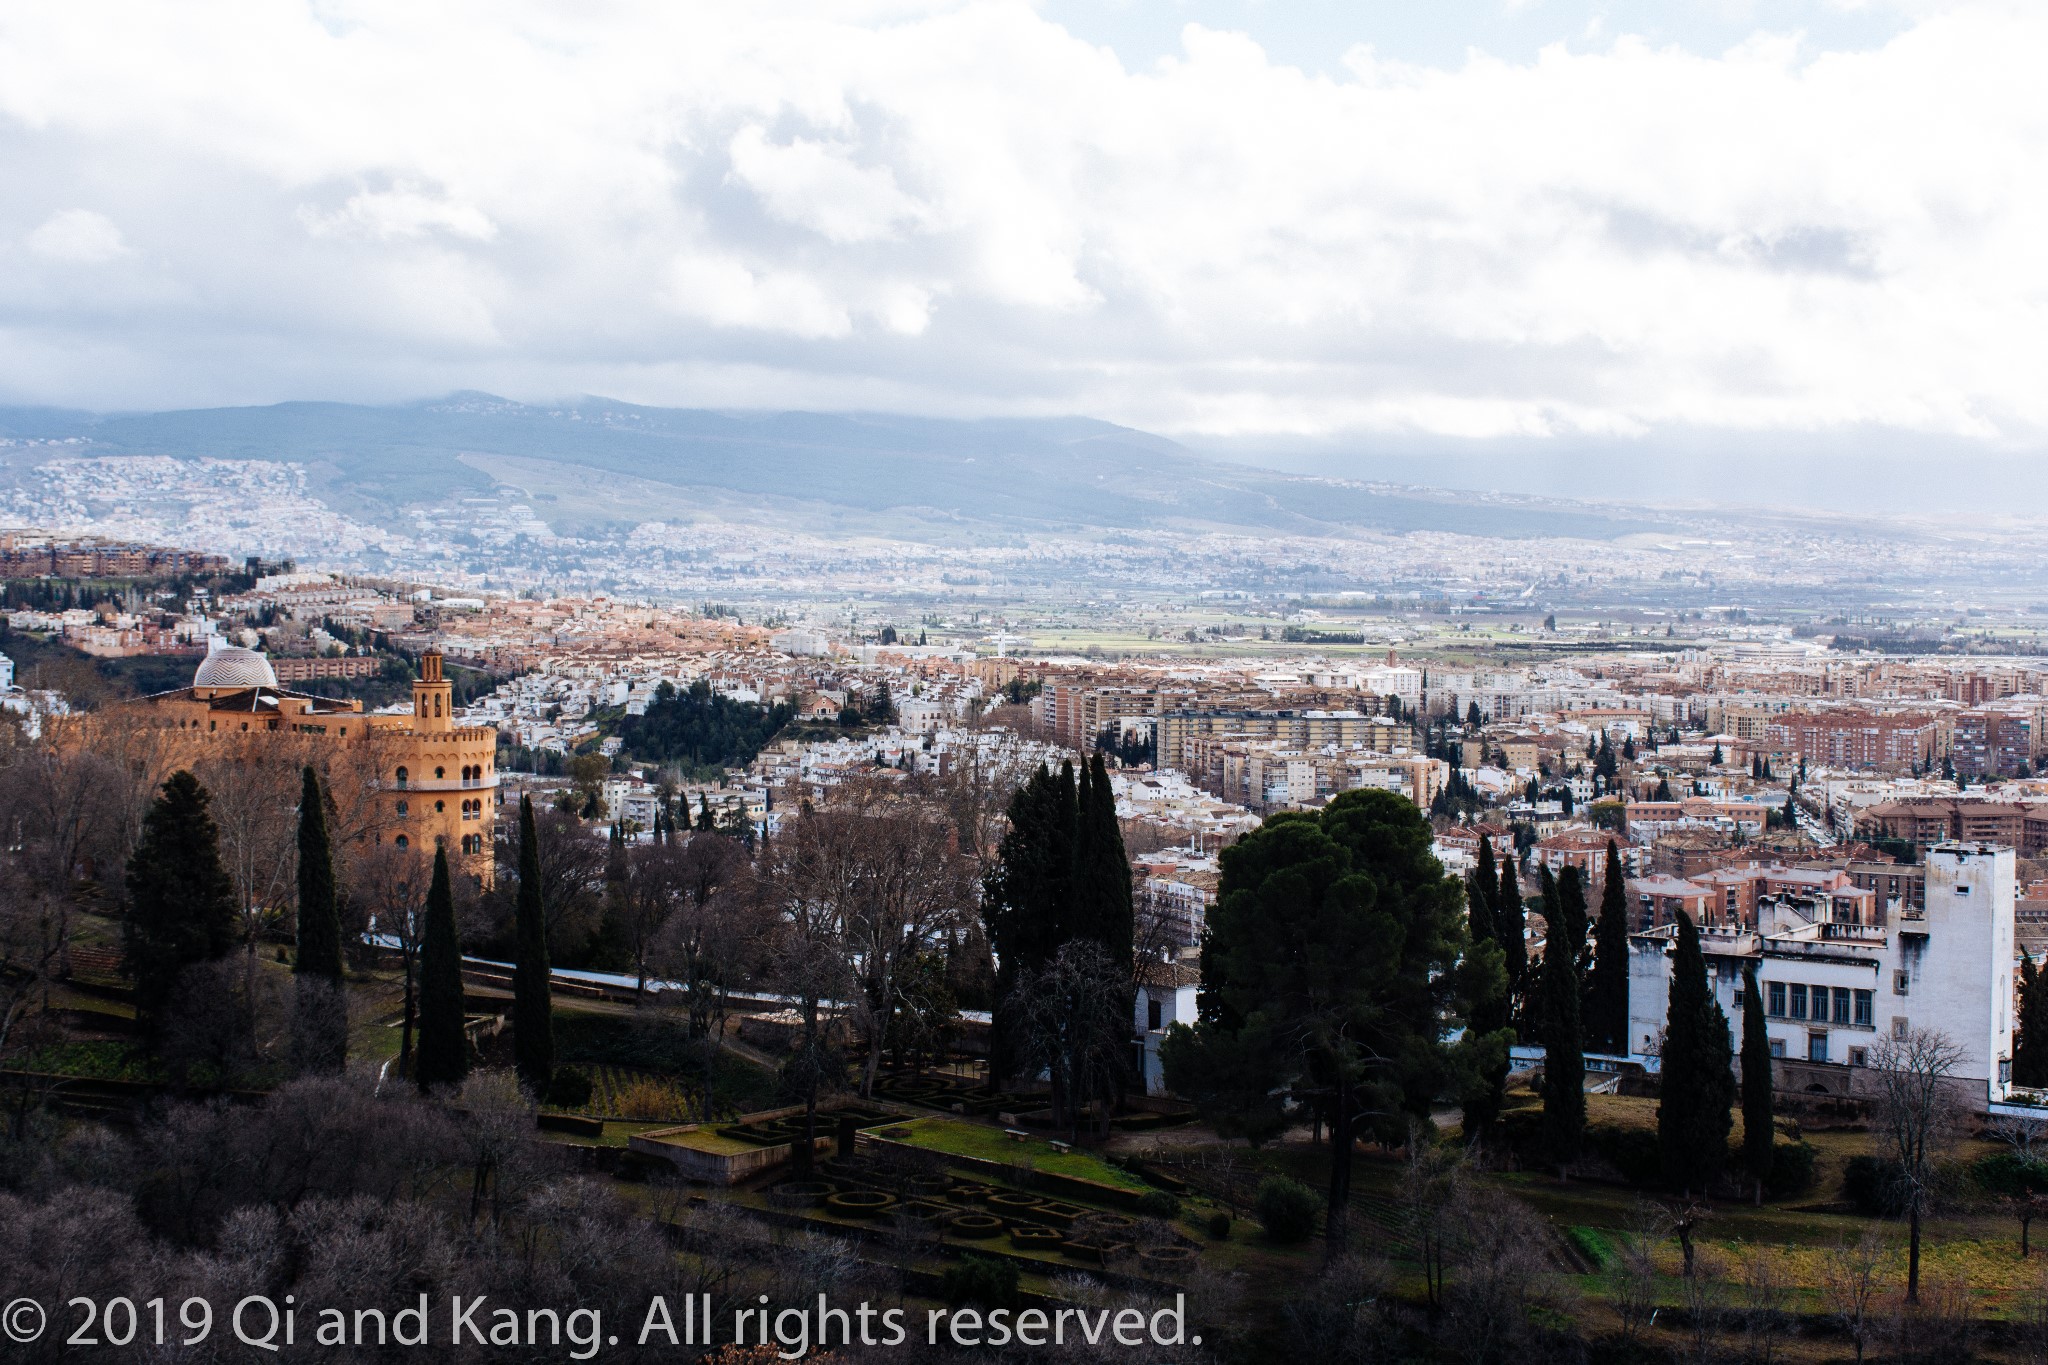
(1002, 474)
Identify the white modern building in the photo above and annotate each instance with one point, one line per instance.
(1166, 996)
(1832, 988)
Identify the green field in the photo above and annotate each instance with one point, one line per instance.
(954, 1138)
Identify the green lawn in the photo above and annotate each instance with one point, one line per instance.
(955, 1138)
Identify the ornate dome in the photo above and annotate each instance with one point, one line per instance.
(233, 667)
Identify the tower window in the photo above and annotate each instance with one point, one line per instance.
(440, 773)
(402, 777)
(440, 806)
(402, 841)
(405, 808)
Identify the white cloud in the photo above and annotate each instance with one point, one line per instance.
(960, 208)
(78, 237)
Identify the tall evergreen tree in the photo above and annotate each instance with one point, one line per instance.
(1026, 900)
(1510, 931)
(1102, 870)
(1698, 1081)
(181, 900)
(1559, 1027)
(1757, 1133)
(2030, 1038)
(320, 1021)
(533, 1025)
(1482, 895)
(443, 1055)
(1490, 1010)
(1607, 992)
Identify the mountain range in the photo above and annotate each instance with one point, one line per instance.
(996, 475)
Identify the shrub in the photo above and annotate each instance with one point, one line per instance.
(1791, 1170)
(2005, 1173)
(1218, 1226)
(980, 1279)
(1592, 1244)
(1286, 1208)
(1159, 1204)
(1874, 1186)
(570, 1089)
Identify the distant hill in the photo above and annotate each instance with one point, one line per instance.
(1014, 474)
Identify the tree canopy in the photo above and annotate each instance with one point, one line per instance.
(182, 902)
(700, 729)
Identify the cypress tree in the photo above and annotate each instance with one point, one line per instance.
(1756, 1084)
(1482, 895)
(320, 1025)
(1564, 1048)
(533, 1025)
(1102, 870)
(181, 900)
(1698, 1085)
(1569, 919)
(443, 1057)
(2030, 1038)
(1607, 993)
(1493, 1013)
(1026, 899)
(1511, 932)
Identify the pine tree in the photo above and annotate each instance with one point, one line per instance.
(181, 900)
(1607, 991)
(2030, 1038)
(1559, 1027)
(1756, 1084)
(320, 1022)
(1717, 759)
(443, 1056)
(533, 1026)
(1698, 1082)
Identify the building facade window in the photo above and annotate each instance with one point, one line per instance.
(1842, 1006)
(1866, 1003)
(403, 778)
(405, 808)
(1776, 1008)
(402, 841)
(1798, 1009)
(1816, 1047)
(1777, 1047)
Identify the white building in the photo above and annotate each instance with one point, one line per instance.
(1166, 997)
(1832, 989)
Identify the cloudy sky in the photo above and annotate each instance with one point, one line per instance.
(1474, 220)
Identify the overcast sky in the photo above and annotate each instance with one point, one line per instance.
(1493, 219)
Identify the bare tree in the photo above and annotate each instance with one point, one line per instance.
(1851, 1285)
(1074, 1026)
(1764, 1296)
(1500, 1275)
(1632, 1279)
(801, 881)
(390, 890)
(1703, 1290)
(1918, 1115)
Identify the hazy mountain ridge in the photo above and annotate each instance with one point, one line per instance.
(1011, 473)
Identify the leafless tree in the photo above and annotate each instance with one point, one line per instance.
(716, 935)
(1851, 1286)
(1917, 1115)
(801, 883)
(1340, 1314)
(1764, 1296)
(1703, 1290)
(1934, 1328)
(1434, 1194)
(1500, 1275)
(1632, 1279)
(59, 827)
(388, 894)
(1073, 1025)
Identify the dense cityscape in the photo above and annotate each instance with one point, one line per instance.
(1172, 682)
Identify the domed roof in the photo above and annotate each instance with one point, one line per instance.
(233, 667)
